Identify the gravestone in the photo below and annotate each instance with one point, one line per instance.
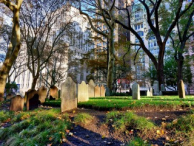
(17, 103)
(102, 91)
(148, 92)
(151, 92)
(34, 102)
(42, 92)
(68, 95)
(53, 92)
(97, 91)
(156, 88)
(181, 89)
(135, 91)
(91, 87)
(29, 95)
(107, 93)
(83, 92)
(162, 87)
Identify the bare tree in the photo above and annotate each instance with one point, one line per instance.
(14, 46)
(104, 10)
(153, 13)
(56, 70)
(42, 30)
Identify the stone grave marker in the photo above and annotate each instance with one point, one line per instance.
(162, 87)
(53, 92)
(151, 92)
(181, 89)
(68, 95)
(32, 104)
(97, 91)
(91, 88)
(156, 88)
(135, 91)
(102, 91)
(42, 92)
(83, 92)
(17, 103)
(148, 92)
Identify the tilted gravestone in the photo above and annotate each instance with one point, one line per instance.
(17, 103)
(135, 91)
(68, 95)
(156, 88)
(102, 91)
(32, 99)
(181, 89)
(97, 91)
(91, 88)
(53, 92)
(83, 92)
(42, 92)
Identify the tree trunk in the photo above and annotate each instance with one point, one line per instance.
(160, 75)
(34, 83)
(12, 52)
(2, 86)
(180, 68)
(111, 62)
(160, 66)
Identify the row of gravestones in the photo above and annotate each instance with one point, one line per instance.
(32, 98)
(89, 90)
(71, 95)
(181, 88)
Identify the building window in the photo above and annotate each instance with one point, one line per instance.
(138, 26)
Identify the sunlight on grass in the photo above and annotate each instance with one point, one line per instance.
(36, 128)
(126, 120)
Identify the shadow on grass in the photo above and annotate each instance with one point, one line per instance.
(84, 137)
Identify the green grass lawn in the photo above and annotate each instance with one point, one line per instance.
(34, 127)
(123, 103)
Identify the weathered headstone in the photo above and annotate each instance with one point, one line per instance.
(148, 92)
(156, 88)
(53, 92)
(83, 92)
(42, 92)
(17, 103)
(181, 89)
(97, 91)
(68, 95)
(91, 86)
(107, 93)
(34, 102)
(135, 91)
(102, 91)
(151, 92)
(29, 95)
(162, 87)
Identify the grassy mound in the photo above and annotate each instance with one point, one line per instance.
(36, 128)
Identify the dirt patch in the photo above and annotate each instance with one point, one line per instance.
(98, 133)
